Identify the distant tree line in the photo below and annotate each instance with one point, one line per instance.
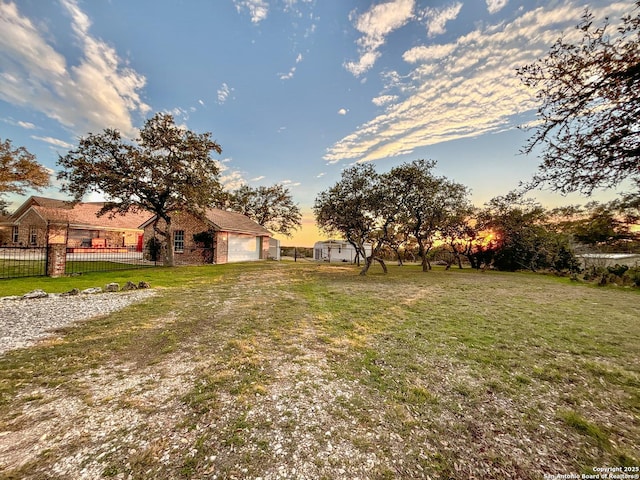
(409, 212)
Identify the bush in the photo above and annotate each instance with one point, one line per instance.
(154, 246)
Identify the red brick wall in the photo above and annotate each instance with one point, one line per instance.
(193, 253)
(31, 220)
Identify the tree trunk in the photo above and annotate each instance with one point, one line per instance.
(370, 261)
(422, 252)
(399, 256)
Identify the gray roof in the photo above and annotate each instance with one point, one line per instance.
(227, 221)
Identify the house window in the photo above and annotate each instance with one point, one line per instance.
(178, 241)
(33, 235)
(14, 234)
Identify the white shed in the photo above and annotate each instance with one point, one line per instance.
(337, 251)
(274, 249)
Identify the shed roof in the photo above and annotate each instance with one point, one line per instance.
(235, 222)
(227, 221)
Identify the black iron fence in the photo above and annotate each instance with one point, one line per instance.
(23, 262)
(32, 261)
(84, 260)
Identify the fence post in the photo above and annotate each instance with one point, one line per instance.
(56, 250)
(56, 259)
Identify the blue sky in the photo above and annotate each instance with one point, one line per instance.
(293, 90)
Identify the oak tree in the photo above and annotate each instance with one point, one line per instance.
(424, 202)
(19, 171)
(168, 168)
(588, 126)
(352, 208)
(272, 207)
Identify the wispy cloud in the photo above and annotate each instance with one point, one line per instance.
(258, 9)
(230, 179)
(27, 125)
(292, 71)
(223, 93)
(463, 88)
(257, 179)
(99, 90)
(496, 5)
(53, 141)
(384, 100)
(290, 183)
(437, 18)
(375, 24)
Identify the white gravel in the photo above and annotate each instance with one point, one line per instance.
(23, 322)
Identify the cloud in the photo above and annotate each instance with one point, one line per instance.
(464, 88)
(257, 179)
(375, 24)
(289, 183)
(437, 18)
(258, 9)
(230, 179)
(384, 100)
(289, 75)
(342, 111)
(54, 141)
(427, 53)
(496, 5)
(201, 102)
(223, 93)
(99, 90)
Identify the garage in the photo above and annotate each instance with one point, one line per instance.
(244, 248)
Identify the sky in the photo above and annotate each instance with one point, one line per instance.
(293, 90)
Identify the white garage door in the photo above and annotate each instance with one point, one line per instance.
(243, 248)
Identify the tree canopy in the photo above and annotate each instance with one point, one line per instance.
(19, 171)
(272, 207)
(588, 116)
(350, 208)
(168, 168)
(389, 209)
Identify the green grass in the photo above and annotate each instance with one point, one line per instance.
(311, 370)
(21, 268)
(156, 276)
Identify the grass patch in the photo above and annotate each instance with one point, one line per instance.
(311, 370)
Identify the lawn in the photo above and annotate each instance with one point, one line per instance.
(289, 370)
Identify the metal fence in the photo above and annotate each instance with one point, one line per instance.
(23, 262)
(106, 259)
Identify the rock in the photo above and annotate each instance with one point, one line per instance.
(112, 287)
(129, 286)
(36, 294)
(70, 293)
(144, 285)
(92, 290)
(12, 298)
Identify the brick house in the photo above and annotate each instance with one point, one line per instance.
(220, 237)
(40, 218)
